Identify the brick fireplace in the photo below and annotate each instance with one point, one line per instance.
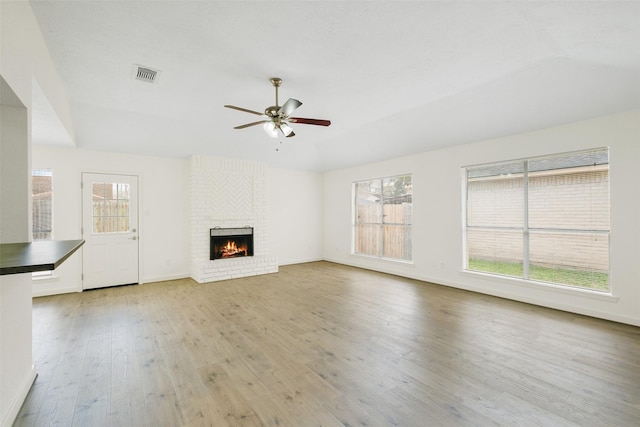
(228, 194)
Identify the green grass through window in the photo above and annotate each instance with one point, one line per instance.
(582, 279)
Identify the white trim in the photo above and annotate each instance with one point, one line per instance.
(410, 263)
(525, 175)
(300, 261)
(147, 280)
(382, 223)
(532, 284)
(545, 303)
(57, 291)
(40, 277)
(14, 407)
(540, 157)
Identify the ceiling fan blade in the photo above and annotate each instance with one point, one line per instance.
(286, 130)
(251, 124)
(289, 107)
(233, 107)
(302, 120)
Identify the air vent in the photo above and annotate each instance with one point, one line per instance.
(145, 74)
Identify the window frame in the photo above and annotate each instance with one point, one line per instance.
(527, 230)
(382, 222)
(110, 215)
(43, 275)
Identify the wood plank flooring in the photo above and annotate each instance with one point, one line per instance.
(322, 344)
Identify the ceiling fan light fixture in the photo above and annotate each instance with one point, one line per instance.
(270, 129)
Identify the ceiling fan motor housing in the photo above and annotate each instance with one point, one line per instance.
(272, 111)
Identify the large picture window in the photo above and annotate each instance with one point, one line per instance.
(542, 219)
(382, 218)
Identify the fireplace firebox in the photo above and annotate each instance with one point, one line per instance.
(230, 243)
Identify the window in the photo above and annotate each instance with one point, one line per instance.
(110, 207)
(42, 211)
(542, 219)
(42, 201)
(382, 218)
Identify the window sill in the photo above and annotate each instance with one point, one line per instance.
(388, 260)
(45, 279)
(601, 296)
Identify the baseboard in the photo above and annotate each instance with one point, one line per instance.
(16, 403)
(48, 292)
(164, 278)
(300, 261)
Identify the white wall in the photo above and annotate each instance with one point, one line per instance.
(16, 368)
(14, 179)
(294, 212)
(23, 59)
(163, 209)
(437, 231)
(294, 206)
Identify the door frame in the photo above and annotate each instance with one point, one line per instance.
(138, 177)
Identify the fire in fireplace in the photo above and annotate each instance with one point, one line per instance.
(231, 242)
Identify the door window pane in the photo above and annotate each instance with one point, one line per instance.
(110, 207)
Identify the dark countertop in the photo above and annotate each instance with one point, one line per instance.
(43, 255)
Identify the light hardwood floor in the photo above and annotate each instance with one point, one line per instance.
(322, 344)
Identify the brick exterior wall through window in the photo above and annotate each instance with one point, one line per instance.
(571, 200)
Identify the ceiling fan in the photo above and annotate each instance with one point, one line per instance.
(277, 117)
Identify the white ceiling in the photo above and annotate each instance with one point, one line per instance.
(394, 77)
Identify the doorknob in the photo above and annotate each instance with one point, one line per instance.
(133, 238)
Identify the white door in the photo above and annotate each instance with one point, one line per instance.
(110, 230)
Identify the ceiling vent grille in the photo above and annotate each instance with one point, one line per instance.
(145, 74)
